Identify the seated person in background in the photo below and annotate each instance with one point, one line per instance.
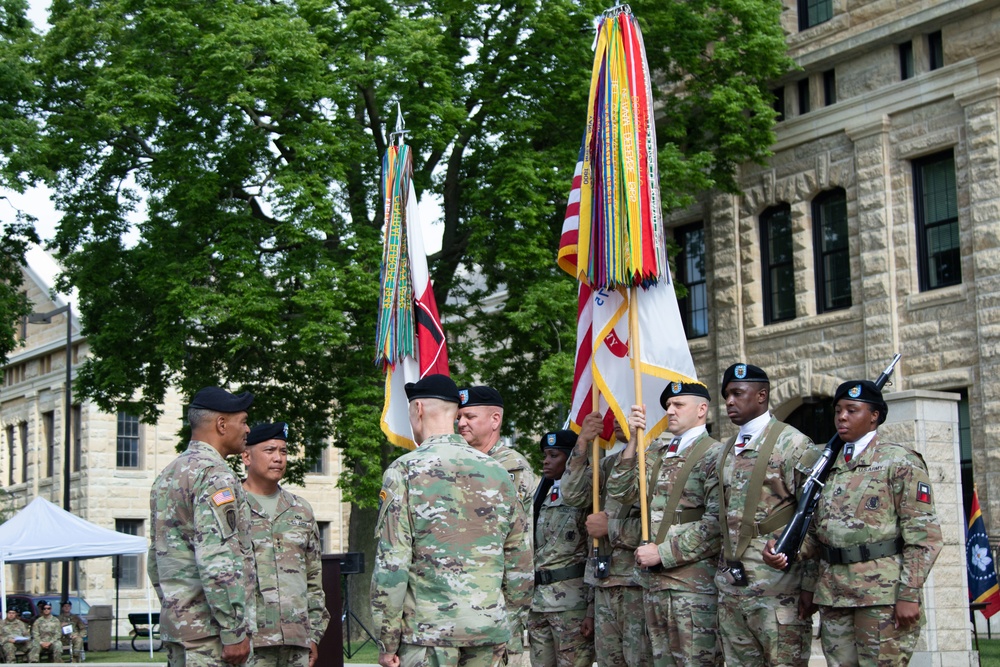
(46, 635)
(75, 638)
(10, 629)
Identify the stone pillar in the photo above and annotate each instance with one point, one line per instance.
(982, 128)
(927, 421)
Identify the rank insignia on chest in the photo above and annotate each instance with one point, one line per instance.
(554, 496)
(923, 493)
(872, 503)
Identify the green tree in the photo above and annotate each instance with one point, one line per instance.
(218, 167)
(18, 129)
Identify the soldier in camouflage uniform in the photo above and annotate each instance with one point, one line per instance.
(200, 557)
(480, 417)
(46, 636)
(559, 625)
(877, 495)
(67, 617)
(12, 628)
(450, 563)
(291, 607)
(681, 599)
(619, 624)
(759, 618)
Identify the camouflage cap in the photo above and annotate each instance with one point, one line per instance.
(481, 395)
(743, 373)
(220, 400)
(684, 389)
(262, 432)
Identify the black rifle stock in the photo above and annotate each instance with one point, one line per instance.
(795, 532)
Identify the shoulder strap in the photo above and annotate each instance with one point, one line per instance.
(746, 532)
(695, 455)
(654, 474)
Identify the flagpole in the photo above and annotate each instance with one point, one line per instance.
(595, 452)
(633, 335)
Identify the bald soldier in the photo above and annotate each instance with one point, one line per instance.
(450, 563)
(291, 606)
(480, 418)
(875, 535)
(200, 557)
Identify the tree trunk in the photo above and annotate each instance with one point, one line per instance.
(362, 538)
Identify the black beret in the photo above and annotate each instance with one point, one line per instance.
(262, 432)
(564, 441)
(684, 389)
(482, 395)
(433, 386)
(863, 391)
(743, 373)
(220, 400)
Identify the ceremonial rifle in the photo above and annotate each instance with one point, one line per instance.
(795, 532)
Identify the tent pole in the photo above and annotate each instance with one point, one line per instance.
(117, 573)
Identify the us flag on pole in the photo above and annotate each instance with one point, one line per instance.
(982, 572)
(602, 336)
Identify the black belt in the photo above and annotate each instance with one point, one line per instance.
(860, 553)
(543, 577)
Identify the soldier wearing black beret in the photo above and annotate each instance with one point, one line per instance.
(558, 624)
(200, 515)
(761, 470)
(683, 522)
(875, 536)
(480, 420)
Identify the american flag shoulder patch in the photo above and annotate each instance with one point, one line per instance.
(923, 492)
(224, 496)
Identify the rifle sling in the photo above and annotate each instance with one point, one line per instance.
(670, 514)
(748, 527)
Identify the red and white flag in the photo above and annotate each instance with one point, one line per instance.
(411, 342)
(602, 341)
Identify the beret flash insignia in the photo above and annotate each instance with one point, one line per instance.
(463, 396)
(675, 387)
(740, 371)
(854, 391)
(551, 439)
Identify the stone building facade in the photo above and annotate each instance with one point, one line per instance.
(874, 228)
(114, 461)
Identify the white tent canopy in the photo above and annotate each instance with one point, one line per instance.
(45, 532)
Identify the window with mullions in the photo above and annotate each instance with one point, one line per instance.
(939, 255)
(777, 261)
(129, 567)
(128, 441)
(814, 12)
(833, 261)
(935, 50)
(691, 274)
(11, 456)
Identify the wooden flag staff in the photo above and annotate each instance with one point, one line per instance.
(640, 449)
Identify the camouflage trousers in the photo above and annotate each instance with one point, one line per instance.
(759, 630)
(205, 652)
(865, 637)
(10, 651)
(557, 641)
(683, 628)
(281, 656)
(54, 650)
(76, 647)
(620, 627)
(415, 655)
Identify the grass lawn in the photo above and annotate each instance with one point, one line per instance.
(369, 654)
(125, 656)
(989, 652)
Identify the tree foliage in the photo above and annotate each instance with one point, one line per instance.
(218, 167)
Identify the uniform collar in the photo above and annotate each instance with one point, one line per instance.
(753, 428)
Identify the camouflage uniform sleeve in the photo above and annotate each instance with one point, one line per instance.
(519, 569)
(152, 569)
(319, 617)
(393, 555)
(624, 530)
(623, 482)
(701, 539)
(577, 480)
(219, 554)
(918, 524)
